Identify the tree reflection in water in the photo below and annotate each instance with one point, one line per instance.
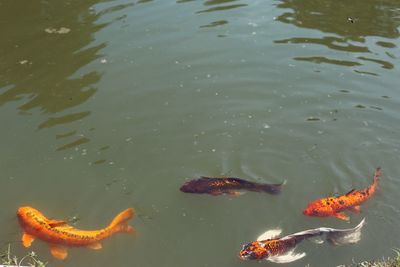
(348, 25)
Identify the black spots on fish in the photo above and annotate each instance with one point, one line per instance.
(329, 201)
(341, 202)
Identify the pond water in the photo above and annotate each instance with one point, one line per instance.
(106, 105)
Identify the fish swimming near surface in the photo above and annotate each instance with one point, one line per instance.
(227, 185)
(59, 235)
(334, 206)
(269, 246)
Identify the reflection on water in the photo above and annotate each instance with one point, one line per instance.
(215, 24)
(43, 50)
(351, 23)
(216, 5)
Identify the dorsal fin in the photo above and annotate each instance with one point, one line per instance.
(55, 223)
(351, 191)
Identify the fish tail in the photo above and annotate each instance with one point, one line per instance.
(120, 222)
(345, 236)
(377, 175)
(272, 188)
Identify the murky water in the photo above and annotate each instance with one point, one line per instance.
(114, 104)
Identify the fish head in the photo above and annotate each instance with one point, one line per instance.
(254, 251)
(26, 216)
(318, 208)
(23, 212)
(195, 186)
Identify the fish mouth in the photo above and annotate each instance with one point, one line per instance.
(243, 255)
(186, 189)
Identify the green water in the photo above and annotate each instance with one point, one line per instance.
(106, 105)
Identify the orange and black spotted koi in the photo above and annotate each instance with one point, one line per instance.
(334, 206)
(232, 186)
(59, 235)
(281, 249)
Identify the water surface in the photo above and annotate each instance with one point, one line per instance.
(114, 104)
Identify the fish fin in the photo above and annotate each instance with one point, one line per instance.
(95, 246)
(120, 222)
(270, 234)
(342, 216)
(317, 240)
(356, 209)
(351, 191)
(235, 193)
(215, 192)
(27, 240)
(345, 236)
(288, 257)
(377, 174)
(58, 251)
(54, 223)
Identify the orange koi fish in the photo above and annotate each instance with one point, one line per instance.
(269, 246)
(60, 235)
(333, 206)
(228, 185)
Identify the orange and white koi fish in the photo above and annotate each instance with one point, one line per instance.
(269, 246)
(227, 185)
(333, 206)
(60, 235)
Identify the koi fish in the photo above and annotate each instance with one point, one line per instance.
(60, 235)
(269, 246)
(333, 206)
(232, 186)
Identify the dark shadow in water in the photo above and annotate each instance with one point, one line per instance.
(215, 24)
(44, 46)
(144, 1)
(320, 60)
(216, 5)
(347, 21)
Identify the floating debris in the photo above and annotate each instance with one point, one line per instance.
(62, 30)
(97, 162)
(359, 106)
(313, 119)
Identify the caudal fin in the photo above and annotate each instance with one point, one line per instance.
(272, 188)
(345, 236)
(120, 222)
(377, 175)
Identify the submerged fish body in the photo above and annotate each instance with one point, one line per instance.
(59, 235)
(227, 185)
(281, 249)
(334, 206)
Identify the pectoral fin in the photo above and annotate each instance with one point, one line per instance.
(342, 216)
(58, 251)
(285, 258)
(95, 246)
(235, 193)
(55, 223)
(27, 240)
(356, 209)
